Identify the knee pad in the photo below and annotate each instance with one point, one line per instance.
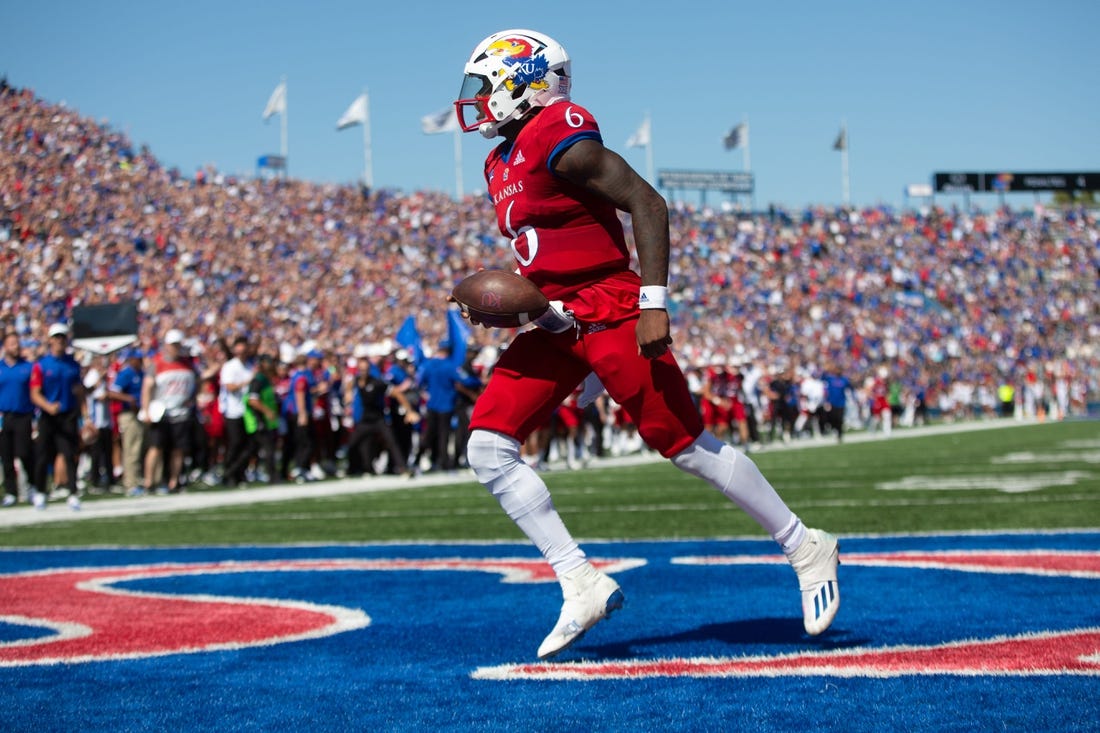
(491, 455)
(496, 461)
(703, 460)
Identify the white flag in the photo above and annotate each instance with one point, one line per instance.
(356, 114)
(641, 137)
(277, 104)
(736, 137)
(445, 120)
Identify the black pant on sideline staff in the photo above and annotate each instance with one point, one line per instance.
(834, 418)
(591, 416)
(238, 451)
(57, 435)
(437, 440)
(263, 442)
(103, 463)
(362, 445)
(403, 434)
(303, 445)
(16, 443)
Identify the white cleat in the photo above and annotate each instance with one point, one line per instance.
(74, 502)
(589, 597)
(815, 562)
(38, 499)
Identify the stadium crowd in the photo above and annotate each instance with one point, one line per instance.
(939, 311)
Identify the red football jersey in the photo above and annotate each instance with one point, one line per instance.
(566, 240)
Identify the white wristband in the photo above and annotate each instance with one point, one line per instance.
(653, 297)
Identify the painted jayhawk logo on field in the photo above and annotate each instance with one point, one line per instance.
(527, 64)
(67, 615)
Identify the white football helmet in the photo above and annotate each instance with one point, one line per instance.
(509, 74)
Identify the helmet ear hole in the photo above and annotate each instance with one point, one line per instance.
(519, 91)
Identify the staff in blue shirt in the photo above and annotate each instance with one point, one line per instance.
(298, 408)
(16, 417)
(837, 387)
(126, 391)
(57, 390)
(439, 376)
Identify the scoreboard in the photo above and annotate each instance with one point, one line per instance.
(1015, 182)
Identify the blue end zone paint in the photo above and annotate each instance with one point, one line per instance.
(12, 632)
(410, 669)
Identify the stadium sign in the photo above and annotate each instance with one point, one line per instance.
(918, 190)
(274, 162)
(706, 180)
(104, 328)
(1015, 182)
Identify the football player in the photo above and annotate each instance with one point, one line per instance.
(556, 190)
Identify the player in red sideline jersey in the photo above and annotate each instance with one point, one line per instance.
(556, 189)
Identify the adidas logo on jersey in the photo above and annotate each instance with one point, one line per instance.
(519, 158)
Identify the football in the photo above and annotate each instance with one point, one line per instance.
(500, 299)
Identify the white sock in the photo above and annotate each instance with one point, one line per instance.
(524, 497)
(735, 475)
(791, 536)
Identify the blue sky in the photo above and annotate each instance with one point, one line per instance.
(938, 85)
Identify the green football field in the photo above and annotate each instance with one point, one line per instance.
(997, 477)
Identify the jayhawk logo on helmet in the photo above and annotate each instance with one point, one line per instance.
(527, 65)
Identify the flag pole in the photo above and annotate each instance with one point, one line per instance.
(458, 163)
(844, 162)
(368, 172)
(283, 127)
(747, 160)
(748, 155)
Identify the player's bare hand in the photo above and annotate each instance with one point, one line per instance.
(463, 312)
(653, 332)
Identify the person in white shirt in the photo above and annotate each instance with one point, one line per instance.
(234, 379)
(96, 431)
(812, 413)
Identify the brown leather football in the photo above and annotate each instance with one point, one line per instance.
(500, 299)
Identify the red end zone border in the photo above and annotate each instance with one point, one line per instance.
(1074, 652)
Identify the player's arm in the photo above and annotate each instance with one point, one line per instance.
(349, 390)
(589, 164)
(80, 394)
(412, 417)
(300, 390)
(37, 398)
(114, 392)
(148, 383)
(255, 401)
